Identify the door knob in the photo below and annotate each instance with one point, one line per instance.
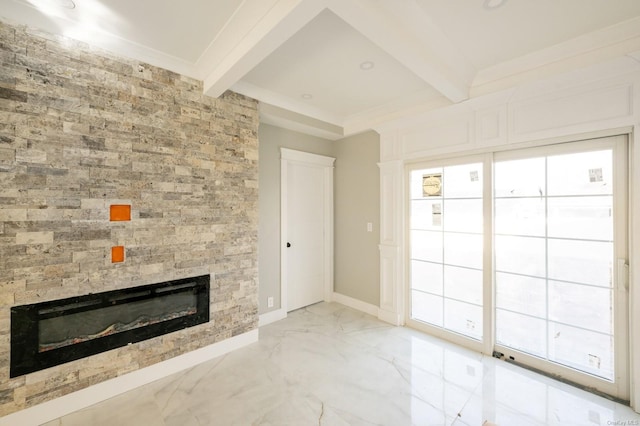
(288, 245)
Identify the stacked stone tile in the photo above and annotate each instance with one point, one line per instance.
(81, 129)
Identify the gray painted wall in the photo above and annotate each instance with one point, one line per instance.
(270, 140)
(357, 201)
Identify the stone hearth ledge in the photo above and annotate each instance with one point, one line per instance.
(51, 410)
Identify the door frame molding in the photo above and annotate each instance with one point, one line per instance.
(287, 157)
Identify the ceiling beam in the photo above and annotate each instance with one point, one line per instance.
(262, 34)
(286, 103)
(412, 39)
(287, 119)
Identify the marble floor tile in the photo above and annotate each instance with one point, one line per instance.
(331, 365)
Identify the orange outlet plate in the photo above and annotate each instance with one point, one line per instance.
(117, 254)
(120, 212)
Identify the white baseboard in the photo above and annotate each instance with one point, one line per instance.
(390, 317)
(84, 398)
(272, 316)
(359, 305)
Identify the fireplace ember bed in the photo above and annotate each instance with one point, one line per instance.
(51, 333)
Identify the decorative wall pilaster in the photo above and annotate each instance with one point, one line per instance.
(391, 233)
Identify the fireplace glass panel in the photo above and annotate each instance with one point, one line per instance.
(55, 332)
(79, 327)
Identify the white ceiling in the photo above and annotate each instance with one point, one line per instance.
(302, 58)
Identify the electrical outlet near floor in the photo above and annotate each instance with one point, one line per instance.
(269, 302)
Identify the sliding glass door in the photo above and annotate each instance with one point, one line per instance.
(559, 236)
(549, 265)
(446, 232)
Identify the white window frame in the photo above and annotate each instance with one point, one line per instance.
(623, 154)
(619, 388)
(485, 160)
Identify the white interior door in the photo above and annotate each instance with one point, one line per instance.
(307, 228)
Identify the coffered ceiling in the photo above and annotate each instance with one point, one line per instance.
(338, 67)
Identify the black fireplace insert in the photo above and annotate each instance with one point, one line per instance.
(52, 333)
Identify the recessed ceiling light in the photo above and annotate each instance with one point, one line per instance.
(307, 96)
(493, 4)
(367, 65)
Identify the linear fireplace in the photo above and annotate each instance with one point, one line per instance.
(52, 333)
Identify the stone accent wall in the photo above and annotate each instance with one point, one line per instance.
(81, 129)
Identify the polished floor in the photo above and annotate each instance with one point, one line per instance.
(331, 365)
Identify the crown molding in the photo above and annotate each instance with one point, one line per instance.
(607, 43)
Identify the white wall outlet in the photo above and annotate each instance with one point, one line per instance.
(369, 227)
(269, 302)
